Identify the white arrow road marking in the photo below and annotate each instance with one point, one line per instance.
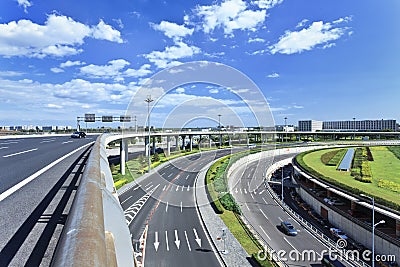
(166, 238)
(182, 188)
(236, 191)
(198, 240)
(177, 188)
(187, 176)
(181, 206)
(241, 191)
(188, 188)
(245, 191)
(262, 191)
(177, 241)
(187, 241)
(22, 152)
(156, 243)
(166, 207)
(165, 186)
(265, 233)
(252, 196)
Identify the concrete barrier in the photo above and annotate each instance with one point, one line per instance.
(95, 233)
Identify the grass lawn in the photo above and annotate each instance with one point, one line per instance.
(385, 166)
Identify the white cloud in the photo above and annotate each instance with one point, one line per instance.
(163, 59)
(57, 70)
(256, 40)
(50, 105)
(59, 36)
(302, 23)
(273, 75)
(25, 4)
(172, 30)
(144, 70)
(230, 15)
(180, 90)
(70, 63)
(10, 73)
(213, 91)
(111, 70)
(317, 33)
(267, 4)
(105, 32)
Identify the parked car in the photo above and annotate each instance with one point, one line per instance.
(288, 228)
(338, 233)
(78, 135)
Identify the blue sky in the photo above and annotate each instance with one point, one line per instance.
(312, 59)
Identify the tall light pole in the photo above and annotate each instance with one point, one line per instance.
(373, 226)
(219, 130)
(285, 129)
(148, 100)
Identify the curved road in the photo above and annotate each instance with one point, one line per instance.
(175, 236)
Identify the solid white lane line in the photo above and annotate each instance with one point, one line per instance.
(280, 219)
(290, 244)
(67, 142)
(170, 175)
(265, 233)
(265, 201)
(165, 186)
(148, 184)
(3, 147)
(264, 214)
(126, 200)
(252, 196)
(18, 153)
(36, 174)
(187, 176)
(247, 207)
(187, 241)
(181, 207)
(166, 207)
(166, 239)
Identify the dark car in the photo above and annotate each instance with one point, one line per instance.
(288, 228)
(78, 135)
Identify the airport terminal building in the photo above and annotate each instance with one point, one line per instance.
(350, 125)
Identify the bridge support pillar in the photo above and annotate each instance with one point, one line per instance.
(209, 140)
(183, 142)
(230, 140)
(177, 142)
(168, 146)
(398, 228)
(123, 153)
(191, 142)
(353, 206)
(153, 149)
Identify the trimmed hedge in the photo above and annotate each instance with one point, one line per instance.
(333, 158)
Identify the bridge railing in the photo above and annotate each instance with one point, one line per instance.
(95, 233)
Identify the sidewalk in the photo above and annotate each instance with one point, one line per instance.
(236, 255)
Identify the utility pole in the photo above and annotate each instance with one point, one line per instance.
(148, 100)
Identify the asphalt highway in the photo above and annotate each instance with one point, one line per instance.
(265, 215)
(175, 236)
(38, 180)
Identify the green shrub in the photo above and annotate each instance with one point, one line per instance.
(118, 184)
(395, 150)
(395, 187)
(337, 158)
(328, 156)
(229, 203)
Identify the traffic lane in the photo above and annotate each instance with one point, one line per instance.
(28, 212)
(181, 239)
(16, 168)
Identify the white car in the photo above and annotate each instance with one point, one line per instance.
(338, 233)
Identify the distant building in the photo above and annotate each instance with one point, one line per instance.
(310, 126)
(361, 125)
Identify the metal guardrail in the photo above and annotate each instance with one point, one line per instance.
(95, 233)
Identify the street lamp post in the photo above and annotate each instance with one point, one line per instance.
(285, 129)
(148, 100)
(373, 226)
(219, 130)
